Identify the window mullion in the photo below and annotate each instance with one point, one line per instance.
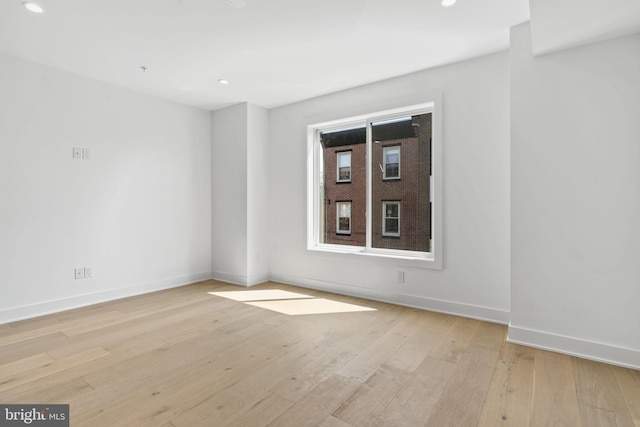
(369, 174)
(318, 228)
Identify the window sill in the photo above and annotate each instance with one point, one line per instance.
(417, 259)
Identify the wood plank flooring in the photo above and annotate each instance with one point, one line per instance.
(184, 357)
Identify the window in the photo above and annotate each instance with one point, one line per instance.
(377, 213)
(391, 219)
(344, 166)
(343, 217)
(391, 159)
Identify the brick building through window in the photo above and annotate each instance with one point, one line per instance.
(400, 185)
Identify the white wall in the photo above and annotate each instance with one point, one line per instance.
(240, 180)
(138, 212)
(229, 199)
(257, 194)
(575, 167)
(475, 279)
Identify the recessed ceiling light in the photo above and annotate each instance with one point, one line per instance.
(223, 81)
(35, 8)
(447, 3)
(238, 4)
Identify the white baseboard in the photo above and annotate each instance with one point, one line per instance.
(257, 279)
(599, 352)
(14, 314)
(459, 309)
(236, 279)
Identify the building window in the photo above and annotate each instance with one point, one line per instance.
(391, 219)
(391, 159)
(343, 217)
(371, 153)
(344, 166)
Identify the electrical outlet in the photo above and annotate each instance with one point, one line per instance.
(77, 153)
(86, 153)
(400, 276)
(88, 272)
(78, 273)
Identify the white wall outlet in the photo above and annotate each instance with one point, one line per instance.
(400, 277)
(78, 273)
(86, 153)
(88, 272)
(77, 153)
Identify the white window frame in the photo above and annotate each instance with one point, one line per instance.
(338, 204)
(338, 155)
(385, 217)
(432, 259)
(384, 161)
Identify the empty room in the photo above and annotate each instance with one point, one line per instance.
(320, 213)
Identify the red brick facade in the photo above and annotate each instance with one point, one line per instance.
(410, 190)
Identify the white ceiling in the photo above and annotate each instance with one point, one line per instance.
(557, 25)
(274, 52)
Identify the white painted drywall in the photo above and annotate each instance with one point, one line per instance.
(558, 25)
(475, 278)
(575, 199)
(138, 212)
(229, 194)
(257, 194)
(240, 194)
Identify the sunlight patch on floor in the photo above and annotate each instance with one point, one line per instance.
(260, 295)
(309, 306)
(290, 303)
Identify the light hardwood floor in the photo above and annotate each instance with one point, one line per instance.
(184, 357)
